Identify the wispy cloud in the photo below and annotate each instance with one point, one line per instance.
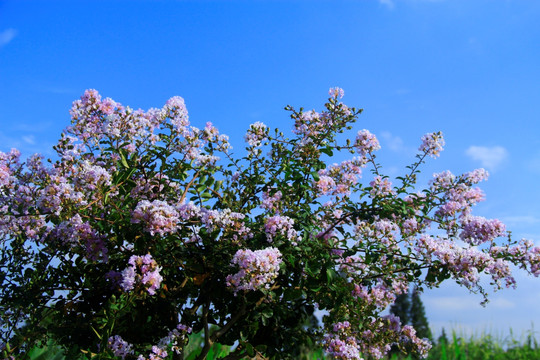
(395, 143)
(534, 164)
(464, 303)
(489, 157)
(388, 3)
(29, 139)
(521, 219)
(6, 36)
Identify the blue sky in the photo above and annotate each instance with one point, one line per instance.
(469, 68)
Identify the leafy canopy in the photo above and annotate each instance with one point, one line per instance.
(146, 228)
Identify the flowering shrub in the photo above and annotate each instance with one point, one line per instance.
(145, 228)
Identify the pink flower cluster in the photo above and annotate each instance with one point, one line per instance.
(525, 251)
(336, 92)
(229, 222)
(257, 269)
(366, 142)
(256, 133)
(142, 270)
(381, 187)
(477, 175)
(279, 225)
(95, 119)
(380, 295)
(325, 184)
(432, 144)
(157, 216)
(457, 194)
(338, 179)
(381, 231)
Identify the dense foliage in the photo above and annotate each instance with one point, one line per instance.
(145, 229)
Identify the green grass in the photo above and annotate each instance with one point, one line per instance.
(486, 347)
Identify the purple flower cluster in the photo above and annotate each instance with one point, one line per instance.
(342, 349)
(409, 227)
(432, 144)
(210, 134)
(175, 109)
(59, 193)
(142, 270)
(341, 344)
(176, 338)
(271, 202)
(76, 233)
(257, 269)
(346, 343)
(119, 346)
(465, 263)
(91, 176)
(157, 216)
(478, 230)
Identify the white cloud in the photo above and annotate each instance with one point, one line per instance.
(490, 157)
(6, 36)
(394, 143)
(388, 3)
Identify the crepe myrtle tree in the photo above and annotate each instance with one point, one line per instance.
(145, 229)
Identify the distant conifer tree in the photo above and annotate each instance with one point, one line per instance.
(418, 316)
(443, 339)
(401, 308)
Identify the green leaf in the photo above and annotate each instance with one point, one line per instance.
(328, 151)
(123, 159)
(331, 275)
(249, 349)
(292, 294)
